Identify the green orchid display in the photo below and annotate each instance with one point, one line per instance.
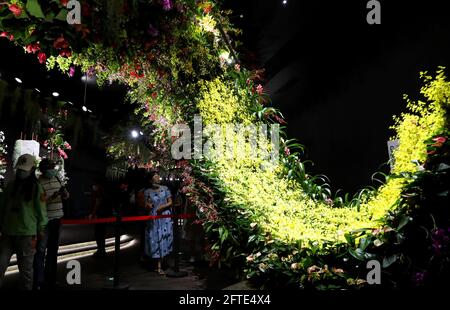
(274, 224)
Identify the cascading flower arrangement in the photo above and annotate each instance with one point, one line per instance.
(3, 153)
(275, 224)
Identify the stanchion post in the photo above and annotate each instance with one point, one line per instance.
(176, 273)
(117, 249)
(116, 284)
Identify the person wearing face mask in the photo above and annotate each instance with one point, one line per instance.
(159, 233)
(45, 260)
(23, 215)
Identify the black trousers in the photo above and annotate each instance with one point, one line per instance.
(46, 257)
(100, 236)
(51, 259)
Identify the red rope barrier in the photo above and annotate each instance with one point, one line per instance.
(124, 219)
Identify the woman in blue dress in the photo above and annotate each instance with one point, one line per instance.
(159, 233)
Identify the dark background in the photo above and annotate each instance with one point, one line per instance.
(337, 80)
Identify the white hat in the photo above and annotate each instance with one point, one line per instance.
(26, 162)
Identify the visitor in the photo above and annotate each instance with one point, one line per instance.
(45, 265)
(99, 209)
(23, 214)
(159, 233)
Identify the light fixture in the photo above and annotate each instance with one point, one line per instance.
(70, 102)
(37, 89)
(284, 2)
(18, 80)
(90, 111)
(134, 134)
(141, 133)
(88, 79)
(84, 108)
(55, 94)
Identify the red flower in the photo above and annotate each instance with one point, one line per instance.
(207, 9)
(51, 130)
(136, 75)
(279, 120)
(32, 48)
(63, 2)
(65, 53)
(60, 43)
(45, 143)
(15, 9)
(42, 58)
(154, 95)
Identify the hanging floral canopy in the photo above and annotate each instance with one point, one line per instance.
(273, 223)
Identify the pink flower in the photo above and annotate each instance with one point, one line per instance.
(72, 71)
(62, 153)
(51, 130)
(237, 67)
(32, 48)
(45, 143)
(287, 151)
(4, 34)
(440, 140)
(15, 9)
(42, 58)
(167, 5)
(63, 2)
(67, 146)
(259, 89)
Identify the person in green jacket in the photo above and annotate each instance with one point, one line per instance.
(23, 215)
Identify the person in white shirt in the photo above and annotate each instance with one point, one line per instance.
(45, 260)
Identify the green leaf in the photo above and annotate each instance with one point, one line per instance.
(34, 8)
(356, 254)
(387, 261)
(403, 221)
(364, 243)
(62, 15)
(49, 17)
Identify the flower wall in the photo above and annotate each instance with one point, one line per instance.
(272, 223)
